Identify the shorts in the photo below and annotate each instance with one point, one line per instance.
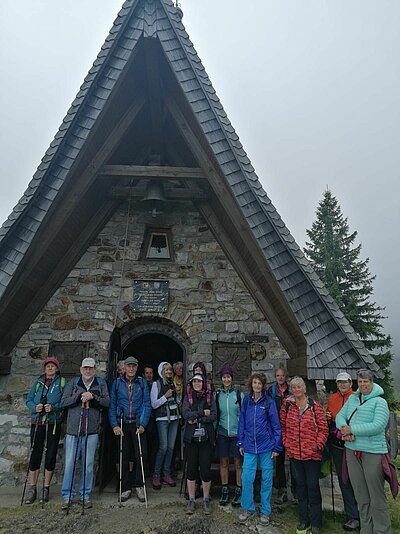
(226, 446)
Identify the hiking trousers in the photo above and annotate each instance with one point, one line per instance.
(306, 474)
(130, 449)
(367, 479)
(248, 476)
(349, 500)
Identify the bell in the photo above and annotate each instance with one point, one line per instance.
(154, 192)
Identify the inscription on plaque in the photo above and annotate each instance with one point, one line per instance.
(238, 355)
(150, 295)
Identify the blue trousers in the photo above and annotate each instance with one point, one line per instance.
(248, 476)
(70, 444)
(166, 438)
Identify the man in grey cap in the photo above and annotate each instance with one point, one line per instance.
(130, 401)
(84, 396)
(336, 445)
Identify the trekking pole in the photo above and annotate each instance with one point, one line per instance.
(84, 463)
(141, 465)
(30, 456)
(75, 457)
(45, 454)
(183, 472)
(120, 461)
(332, 489)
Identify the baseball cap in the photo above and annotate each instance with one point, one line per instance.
(131, 359)
(88, 362)
(343, 376)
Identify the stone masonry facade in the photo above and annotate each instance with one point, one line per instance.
(207, 302)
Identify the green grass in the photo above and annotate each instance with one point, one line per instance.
(287, 521)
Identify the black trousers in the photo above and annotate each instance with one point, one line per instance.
(198, 455)
(306, 474)
(130, 449)
(53, 437)
(280, 474)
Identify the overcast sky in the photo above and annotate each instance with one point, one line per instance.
(312, 88)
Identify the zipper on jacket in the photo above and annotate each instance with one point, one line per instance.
(227, 409)
(299, 435)
(255, 435)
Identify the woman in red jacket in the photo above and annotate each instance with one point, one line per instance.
(304, 435)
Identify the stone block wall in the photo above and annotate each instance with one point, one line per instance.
(207, 301)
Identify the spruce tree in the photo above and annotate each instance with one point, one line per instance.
(335, 257)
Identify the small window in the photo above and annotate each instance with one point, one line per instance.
(157, 245)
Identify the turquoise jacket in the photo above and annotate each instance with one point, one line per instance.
(228, 411)
(368, 424)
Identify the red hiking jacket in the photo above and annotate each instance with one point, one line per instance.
(304, 436)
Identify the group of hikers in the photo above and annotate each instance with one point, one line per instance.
(259, 429)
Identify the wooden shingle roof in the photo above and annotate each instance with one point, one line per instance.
(332, 344)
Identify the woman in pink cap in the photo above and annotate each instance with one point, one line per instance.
(44, 403)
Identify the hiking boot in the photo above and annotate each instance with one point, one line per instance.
(245, 515)
(125, 495)
(352, 524)
(66, 505)
(281, 497)
(155, 482)
(88, 503)
(31, 495)
(237, 496)
(303, 529)
(140, 494)
(207, 506)
(264, 520)
(169, 481)
(45, 496)
(190, 507)
(224, 500)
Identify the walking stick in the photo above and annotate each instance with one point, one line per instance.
(45, 454)
(30, 456)
(141, 465)
(84, 464)
(120, 461)
(75, 457)
(332, 489)
(183, 481)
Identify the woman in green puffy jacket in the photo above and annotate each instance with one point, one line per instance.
(362, 421)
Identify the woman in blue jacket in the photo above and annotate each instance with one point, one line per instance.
(44, 403)
(259, 438)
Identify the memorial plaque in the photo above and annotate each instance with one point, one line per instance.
(150, 295)
(238, 355)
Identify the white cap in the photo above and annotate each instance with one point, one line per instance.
(343, 376)
(88, 362)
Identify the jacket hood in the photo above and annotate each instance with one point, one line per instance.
(160, 368)
(376, 392)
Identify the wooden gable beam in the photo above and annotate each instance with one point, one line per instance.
(44, 238)
(152, 171)
(295, 340)
(242, 270)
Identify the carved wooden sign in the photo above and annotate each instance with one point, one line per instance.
(70, 354)
(238, 355)
(150, 295)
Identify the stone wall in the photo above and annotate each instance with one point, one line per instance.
(208, 302)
